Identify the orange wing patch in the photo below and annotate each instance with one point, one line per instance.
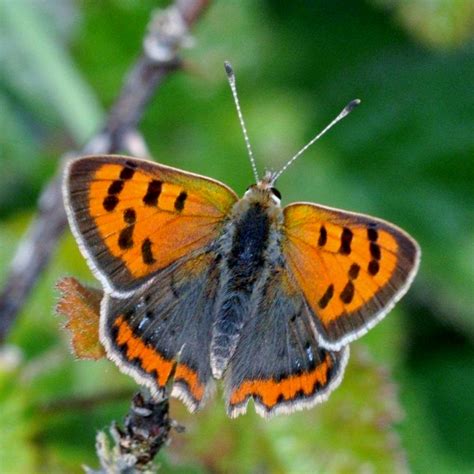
(350, 267)
(135, 217)
(135, 350)
(145, 228)
(271, 392)
(191, 381)
(155, 365)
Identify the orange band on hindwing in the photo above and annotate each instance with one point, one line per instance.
(189, 377)
(271, 392)
(134, 349)
(149, 359)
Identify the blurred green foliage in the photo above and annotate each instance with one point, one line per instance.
(405, 155)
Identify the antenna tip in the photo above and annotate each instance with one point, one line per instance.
(228, 70)
(351, 105)
(348, 108)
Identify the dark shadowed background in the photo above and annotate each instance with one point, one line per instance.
(406, 155)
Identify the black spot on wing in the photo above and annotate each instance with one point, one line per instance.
(125, 240)
(375, 251)
(116, 187)
(147, 254)
(326, 298)
(372, 234)
(180, 200)
(110, 202)
(299, 393)
(373, 267)
(354, 271)
(346, 240)
(323, 236)
(153, 193)
(127, 173)
(347, 293)
(129, 216)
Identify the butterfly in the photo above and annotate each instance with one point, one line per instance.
(200, 285)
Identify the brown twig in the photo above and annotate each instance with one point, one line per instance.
(168, 32)
(146, 429)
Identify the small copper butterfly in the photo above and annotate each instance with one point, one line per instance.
(201, 285)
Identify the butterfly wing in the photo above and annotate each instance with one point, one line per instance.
(351, 268)
(134, 217)
(164, 332)
(283, 368)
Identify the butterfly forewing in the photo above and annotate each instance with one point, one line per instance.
(134, 217)
(351, 268)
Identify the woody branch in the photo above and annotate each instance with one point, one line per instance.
(167, 33)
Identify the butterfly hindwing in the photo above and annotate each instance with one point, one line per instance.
(278, 361)
(350, 267)
(134, 217)
(163, 332)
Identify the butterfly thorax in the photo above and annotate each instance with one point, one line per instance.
(249, 251)
(252, 232)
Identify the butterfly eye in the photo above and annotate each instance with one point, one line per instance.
(276, 192)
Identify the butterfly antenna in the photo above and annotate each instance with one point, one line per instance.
(345, 111)
(231, 77)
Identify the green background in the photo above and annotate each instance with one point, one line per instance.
(406, 155)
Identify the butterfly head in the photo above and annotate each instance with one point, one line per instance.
(264, 191)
